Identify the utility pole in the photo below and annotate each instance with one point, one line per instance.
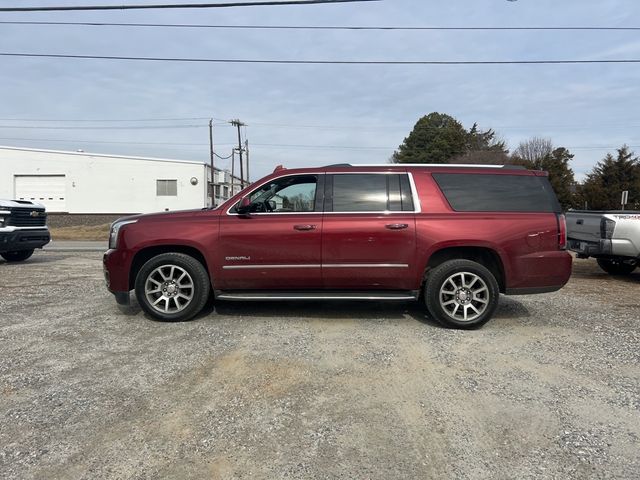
(233, 171)
(212, 186)
(246, 147)
(237, 123)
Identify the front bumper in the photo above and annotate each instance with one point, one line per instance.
(27, 239)
(115, 266)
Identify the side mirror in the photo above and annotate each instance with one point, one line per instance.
(244, 206)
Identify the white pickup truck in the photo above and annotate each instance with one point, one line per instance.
(612, 237)
(23, 228)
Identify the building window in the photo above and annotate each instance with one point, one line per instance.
(217, 190)
(226, 192)
(167, 188)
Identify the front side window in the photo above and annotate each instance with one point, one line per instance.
(292, 194)
(368, 192)
(167, 188)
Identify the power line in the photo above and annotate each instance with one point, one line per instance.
(274, 145)
(102, 120)
(321, 27)
(270, 125)
(175, 6)
(322, 62)
(75, 127)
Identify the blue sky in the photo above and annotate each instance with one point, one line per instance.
(302, 115)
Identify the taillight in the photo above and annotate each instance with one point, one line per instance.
(607, 226)
(562, 231)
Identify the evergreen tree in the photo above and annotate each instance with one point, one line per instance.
(560, 175)
(603, 187)
(436, 138)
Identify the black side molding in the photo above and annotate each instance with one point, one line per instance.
(122, 298)
(532, 290)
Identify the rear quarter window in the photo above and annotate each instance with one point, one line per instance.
(497, 193)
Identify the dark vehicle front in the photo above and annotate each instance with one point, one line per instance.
(23, 228)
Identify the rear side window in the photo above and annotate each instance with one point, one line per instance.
(369, 192)
(497, 193)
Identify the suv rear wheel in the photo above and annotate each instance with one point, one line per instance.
(461, 294)
(172, 287)
(19, 256)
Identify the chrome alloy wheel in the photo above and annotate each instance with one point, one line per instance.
(464, 296)
(169, 289)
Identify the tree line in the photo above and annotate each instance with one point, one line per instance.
(440, 138)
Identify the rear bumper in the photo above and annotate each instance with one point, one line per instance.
(541, 272)
(30, 239)
(590, 249)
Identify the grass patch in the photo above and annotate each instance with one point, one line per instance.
(81, 232)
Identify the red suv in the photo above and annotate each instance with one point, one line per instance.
(456, 236)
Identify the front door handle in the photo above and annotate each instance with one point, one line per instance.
(304, 228)
(397, 226)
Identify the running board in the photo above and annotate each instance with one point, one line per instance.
(261, 296)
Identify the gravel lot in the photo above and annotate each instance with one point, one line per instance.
(549, 389)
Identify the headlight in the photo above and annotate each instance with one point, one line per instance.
(115, 230)
(4, 216)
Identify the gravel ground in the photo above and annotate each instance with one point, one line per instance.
(548, 389)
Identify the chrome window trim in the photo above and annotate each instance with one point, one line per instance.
(279, 213)
(417, 208)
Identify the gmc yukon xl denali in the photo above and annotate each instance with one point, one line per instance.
(454, 236)
(23, 228)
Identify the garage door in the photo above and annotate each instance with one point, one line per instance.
(49, 190)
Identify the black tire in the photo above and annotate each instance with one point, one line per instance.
(18, 256)
(199, 292)
(484, 301)
(617, 266)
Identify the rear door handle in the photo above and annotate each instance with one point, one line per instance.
(397, 226)
(304, 228)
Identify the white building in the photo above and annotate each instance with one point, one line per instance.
(85, 183)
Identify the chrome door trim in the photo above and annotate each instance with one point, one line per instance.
(366, 265)
(266, 267)
(336, 265)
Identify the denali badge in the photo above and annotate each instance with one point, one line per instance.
(230, 259)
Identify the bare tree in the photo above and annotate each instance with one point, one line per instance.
(534, 150)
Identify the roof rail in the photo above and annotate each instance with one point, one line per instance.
(337, 165)
(431, 165)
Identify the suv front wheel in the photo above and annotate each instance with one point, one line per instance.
(461, 294)
(172, 287)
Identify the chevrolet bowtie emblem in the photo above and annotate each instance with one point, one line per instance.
(36, 214)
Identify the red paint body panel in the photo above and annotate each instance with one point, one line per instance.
(525, 243)
(358, 239)
(263, 239)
